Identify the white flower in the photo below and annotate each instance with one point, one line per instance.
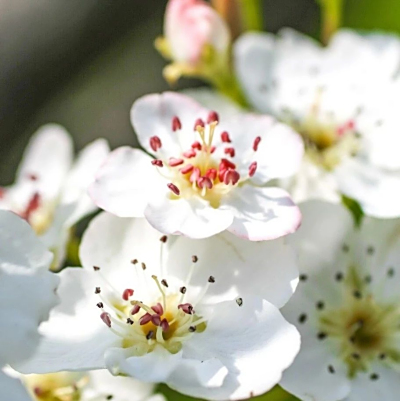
(207, 175)
(97, 385)
(50, 191)
(346, 307)
(342, 100)
(201, 316)
(27, 293)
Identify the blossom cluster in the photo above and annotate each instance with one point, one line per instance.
(252, 241)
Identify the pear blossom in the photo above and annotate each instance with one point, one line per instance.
(341, 99)
(346, 307)
(98, 385)
(199, 315)
(27, 293)
(50, 191)
(206, 174)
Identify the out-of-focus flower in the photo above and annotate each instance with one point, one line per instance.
(50, 191)
(98, 385)
(341, 99)
(196, 39)
(346, 307)
(206, 176)
(201, 316)
(27, 293)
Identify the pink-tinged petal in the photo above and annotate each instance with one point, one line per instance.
(193, 217)
(125, 183)
(153, 115)
(192, 24)
(262, 213)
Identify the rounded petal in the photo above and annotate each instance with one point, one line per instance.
(12, 389)
(124, 183)
(152, 115)
(262, 213)
(192, 217)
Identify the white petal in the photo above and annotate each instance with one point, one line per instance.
(125, 182)
(262, 213)
(12, 389)
(48, 158)
(267, 269)
(74, 338)
(192, 217)
(152, 115)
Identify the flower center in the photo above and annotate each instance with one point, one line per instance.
(197, 171)
(168, 321)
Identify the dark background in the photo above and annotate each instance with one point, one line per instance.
(82, 63)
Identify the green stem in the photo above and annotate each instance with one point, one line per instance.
(332, 11)
(252, 15)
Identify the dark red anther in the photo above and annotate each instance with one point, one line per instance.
(224, 165)
(187, 308)
(195, 175)
(173, 162)
(231, 177)
(33, 177)
(187, 169)
(164, 325)
(230, 152)
(212, 149)
(212, 117)
(127, 294)
(196, 145)
(157, 163)
(173, 188)
(256, 143)
(158, 309)
(155, 143)
(33, 205)
(146, 318)
(204, 182)
(199, 123)
(176, 124)
(135, 310)
(225, 137)
(156, 320)
(189, 153)
(211, 174)
(252, 169)
(106, 318)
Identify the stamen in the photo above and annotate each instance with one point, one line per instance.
(187, 308)
(156, 320)
(187, 169)
(134, 261)
(135, 310)
(164, 283)
(231, 177)
(196, 145)
(161, 290)
(173, 188)
(158, 309)
(97, 290)
(211, 174)
(183, 290)
(204, 182)
(146, 318)
(164, 325)
(211, 279)
(127, 294)
(106, 318)
(129, 321)
(155, 143)
(212, 117)
(176, 124)
(96, 268)
(157, 163)
(195, 175)
(199, 123)
(164, 239)
(189, 153)
(256, 143)
(150, 334)
(252, 169)
(195, 259)
(192, 329)
(230, 152)
(100, 305)
(225, 137)
(173, 162)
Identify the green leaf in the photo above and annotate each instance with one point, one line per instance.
(355, 209)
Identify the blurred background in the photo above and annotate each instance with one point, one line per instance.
(82, 63)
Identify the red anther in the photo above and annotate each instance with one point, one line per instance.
(252, 169)
(146, 318)
(106, 318)
(225, 137)
(173, 162)
(211, 174)
(187, 169)
(187, 308)
(212, 117)
(231, 177)
(164, 325)
(33, 205)
(38, 391)
(127, 294)
(204, 182)
(33, 177)
(135, 310)
(189, 153)
(225, 163)
(156, 320)
(230, 152)
(199, 123)
(212, 149)
(155, 143)
(176, 124)
(157, 163)
(256, 143)
(174, 188)
(351, 125)
(158, 309)
(196, 145)
(195, 175)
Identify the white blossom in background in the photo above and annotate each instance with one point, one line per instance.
(199, 315)
(97, 385)
(50, 191)
(343, 100)
(346, 307)
(206, 174)
(27, 293)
